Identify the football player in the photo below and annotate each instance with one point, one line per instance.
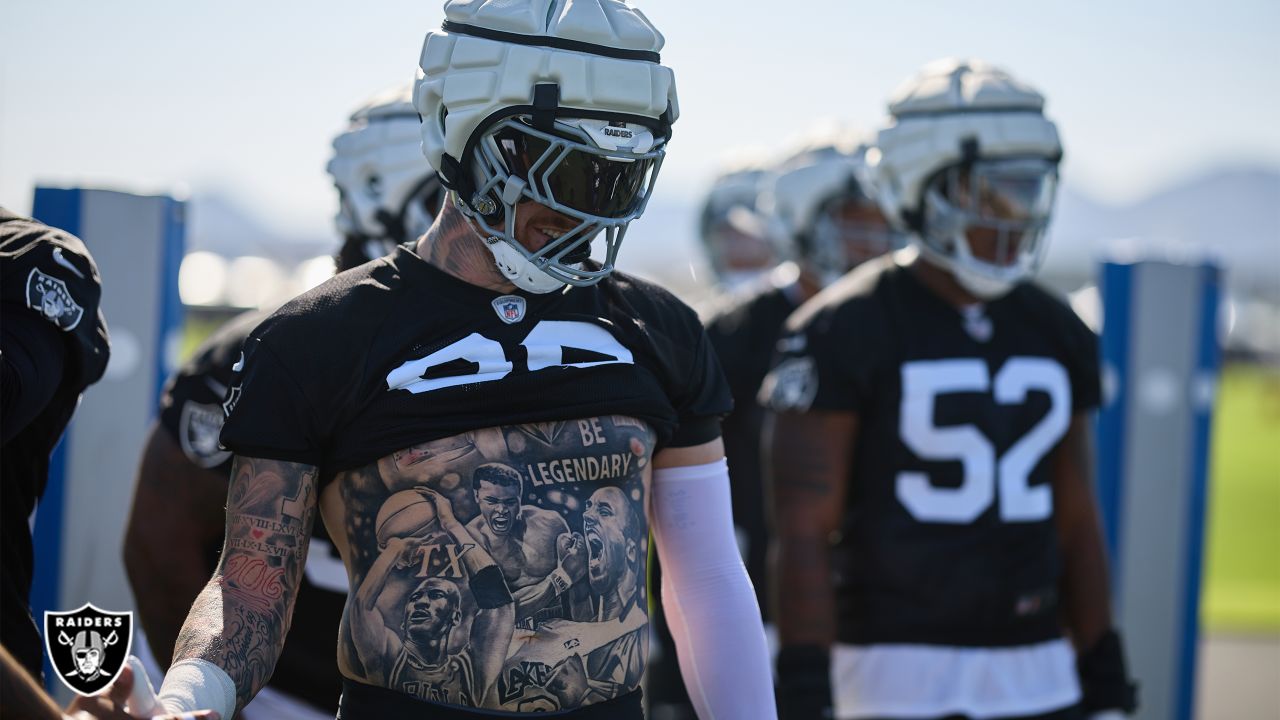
(388, 195)
(931, 454)
(53, 345)
(733, 232)
(819, 209)
(547, 121)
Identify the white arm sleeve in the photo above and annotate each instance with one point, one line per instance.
(707, 595)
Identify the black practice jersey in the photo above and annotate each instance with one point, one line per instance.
(948, 534)
(191, 412)
(528, 419)
(744, 334)
(44, 274)
(397, 352)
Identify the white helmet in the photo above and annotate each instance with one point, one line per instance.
(968, 165)
(560, 102)
(823, 206)
(387, 193)
(735, 236)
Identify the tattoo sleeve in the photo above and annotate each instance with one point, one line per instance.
(240, 619)
(811, 456)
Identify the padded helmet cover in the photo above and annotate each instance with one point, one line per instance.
(463, 79)
(377, 164)
(954, 106)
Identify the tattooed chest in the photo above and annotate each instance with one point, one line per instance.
(514, 557)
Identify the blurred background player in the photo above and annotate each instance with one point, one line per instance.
(388, 195)
(53, 345)
(817, 208)
(734, 235)
(931, 456)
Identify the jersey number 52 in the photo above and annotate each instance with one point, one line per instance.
(985, 476)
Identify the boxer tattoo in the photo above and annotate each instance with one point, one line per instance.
(503, 568)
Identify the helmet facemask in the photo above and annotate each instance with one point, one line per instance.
(847, 231)
(985, 220)
(597, 173)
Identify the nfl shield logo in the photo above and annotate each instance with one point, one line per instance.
(229, 404)
(510, 308)
(88, 646)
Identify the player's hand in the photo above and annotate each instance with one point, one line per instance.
(402, 550)
(571, 553)
(444, 508)
(111, 703)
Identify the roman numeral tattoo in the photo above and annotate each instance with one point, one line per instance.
(240, 619)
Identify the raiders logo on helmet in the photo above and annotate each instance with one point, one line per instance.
(198, 429)
(88, 646)
(50, 297)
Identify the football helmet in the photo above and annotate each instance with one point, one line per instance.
(387, 193)
(734, 234)
(560, 103)
(822, 205)
(968, 165)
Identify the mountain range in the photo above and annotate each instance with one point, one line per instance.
(1231, 214)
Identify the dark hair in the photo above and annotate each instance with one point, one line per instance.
(496, 474)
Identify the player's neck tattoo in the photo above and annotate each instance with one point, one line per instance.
(453, 245)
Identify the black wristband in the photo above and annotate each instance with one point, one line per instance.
(804, 682)
(489, 588)
(1104, 680)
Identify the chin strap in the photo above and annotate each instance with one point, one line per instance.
(512, 264)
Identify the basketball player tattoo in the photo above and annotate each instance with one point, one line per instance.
(240, 619)
(502, 568)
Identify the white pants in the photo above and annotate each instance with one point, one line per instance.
(929, 681)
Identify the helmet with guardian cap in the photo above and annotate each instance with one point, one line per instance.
(560, 103)
(968, 164)
(387, 193)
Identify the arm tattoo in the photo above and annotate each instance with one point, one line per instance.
(240, 619)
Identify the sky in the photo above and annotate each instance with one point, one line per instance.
(242, 98)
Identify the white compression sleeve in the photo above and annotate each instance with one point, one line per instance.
(198, 685)
(710, 604)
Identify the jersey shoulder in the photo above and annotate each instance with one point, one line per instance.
(650, 304)
(50, 272)
(337, 316)
(860, 299)
(1051, 308)
(739, 313)
(217, 354)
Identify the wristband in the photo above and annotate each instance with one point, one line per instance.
(804, 682)
(560, 580)
(1104, 680)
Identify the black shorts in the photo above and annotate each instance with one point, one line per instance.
(368, 702)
